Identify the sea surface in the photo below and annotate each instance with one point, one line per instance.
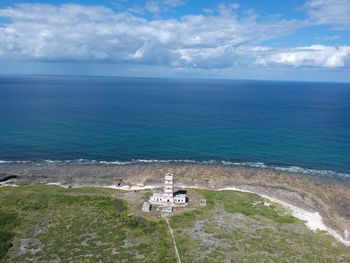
(293, 126)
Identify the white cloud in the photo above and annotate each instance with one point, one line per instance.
(311, 56)
(159, 6)
(95, 33)
(329, 12)
(222, 39)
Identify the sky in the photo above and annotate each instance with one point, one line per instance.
(266, 39)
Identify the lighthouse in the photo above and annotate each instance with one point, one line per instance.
(169, 198)
(168, 194)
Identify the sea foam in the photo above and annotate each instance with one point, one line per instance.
(261, 165)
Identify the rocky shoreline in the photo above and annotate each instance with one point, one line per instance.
(328, 196)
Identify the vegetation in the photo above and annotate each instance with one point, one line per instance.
(241, 227)
(7, 223)
(49, 224)
(249, 205)
(78, 225)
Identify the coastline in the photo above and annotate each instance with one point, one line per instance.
(321, 202)
(278, 168)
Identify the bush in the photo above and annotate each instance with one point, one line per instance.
(6, 219)
(141, 224)
(7, 223)
(120, 206)
(5, 242)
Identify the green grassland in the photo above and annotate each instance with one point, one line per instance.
(52, 224)
(238, 227)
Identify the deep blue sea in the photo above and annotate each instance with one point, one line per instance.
(286, 125)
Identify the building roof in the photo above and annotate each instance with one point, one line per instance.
(157, 195)
(146, 206)
(167, 209)
(169, 176)
(180, 195)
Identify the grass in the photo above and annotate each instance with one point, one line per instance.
(49, 224)
(247, 204)
(78, 225)
(7, 223)
(238, 227)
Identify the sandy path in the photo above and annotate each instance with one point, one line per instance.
(172, 237)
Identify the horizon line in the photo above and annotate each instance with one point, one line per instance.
(168, 78)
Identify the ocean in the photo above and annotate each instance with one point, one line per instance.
(292, 126)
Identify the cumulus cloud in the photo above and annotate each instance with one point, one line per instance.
(329, 12)
(158, 6)
(224, 38)
(96, 33)
(311, 56)
(154, 7)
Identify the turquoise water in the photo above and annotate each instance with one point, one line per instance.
(286, 125)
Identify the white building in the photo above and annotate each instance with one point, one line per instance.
(146, 207)
(203, 202)
(168, 197)
(157, 198)
(166, 210)
(180, 198)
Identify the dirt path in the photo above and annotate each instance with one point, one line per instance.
(172, 237)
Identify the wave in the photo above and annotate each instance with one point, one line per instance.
(298, 169)
(292, 169)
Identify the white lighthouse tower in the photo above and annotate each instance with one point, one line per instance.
(168, 195)
(168, 199)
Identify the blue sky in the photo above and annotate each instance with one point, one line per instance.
(266, 39)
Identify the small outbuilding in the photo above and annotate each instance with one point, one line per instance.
(146, 207)
(203, 202)
(156, 198)
(167, 210)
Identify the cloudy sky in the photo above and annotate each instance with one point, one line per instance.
(265, 39)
